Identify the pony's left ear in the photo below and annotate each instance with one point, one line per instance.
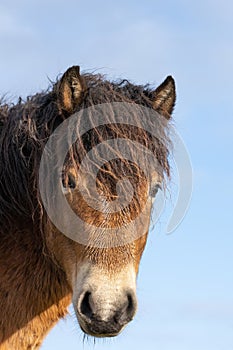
(70, 89)
(165, 97)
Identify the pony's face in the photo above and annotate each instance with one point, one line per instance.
(105, 295)
(103, 280)
(102, 273)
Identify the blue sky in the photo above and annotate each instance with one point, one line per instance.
(185, 285)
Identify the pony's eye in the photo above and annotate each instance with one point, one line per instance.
(154, 190)
(69, 181)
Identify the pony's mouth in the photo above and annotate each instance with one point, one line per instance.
(100, 331)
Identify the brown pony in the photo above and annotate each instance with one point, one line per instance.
(42, 270)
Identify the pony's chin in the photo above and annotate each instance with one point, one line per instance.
(96, 335)
(90, 332)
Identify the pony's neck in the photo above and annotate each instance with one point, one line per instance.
(34, 293)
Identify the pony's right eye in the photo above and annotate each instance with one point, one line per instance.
(68, 182)
(154, 190)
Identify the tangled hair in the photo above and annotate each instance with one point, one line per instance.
(26, 126)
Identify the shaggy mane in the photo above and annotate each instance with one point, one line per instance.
(26, 126)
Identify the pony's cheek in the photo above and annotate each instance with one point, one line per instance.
(65, 252)
(139, 244)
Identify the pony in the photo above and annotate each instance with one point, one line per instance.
(43, 270)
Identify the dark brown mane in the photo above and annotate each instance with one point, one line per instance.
(26, 126)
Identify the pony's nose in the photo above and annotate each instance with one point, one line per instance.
(100, 319)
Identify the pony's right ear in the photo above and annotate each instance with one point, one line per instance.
(70, 89)
(165, 97)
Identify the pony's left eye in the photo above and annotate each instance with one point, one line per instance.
(154, 190)
(69, 182)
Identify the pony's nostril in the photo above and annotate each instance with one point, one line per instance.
(127, 312)
(85, 306)
(131, 305)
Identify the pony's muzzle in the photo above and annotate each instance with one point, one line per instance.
(105, 318)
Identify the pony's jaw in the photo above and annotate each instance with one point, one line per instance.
(104, 303)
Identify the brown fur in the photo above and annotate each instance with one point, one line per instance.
(36, 261)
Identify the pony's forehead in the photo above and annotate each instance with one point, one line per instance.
(153, 177)
(100, 90)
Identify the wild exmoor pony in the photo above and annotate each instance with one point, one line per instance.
(42, 270)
